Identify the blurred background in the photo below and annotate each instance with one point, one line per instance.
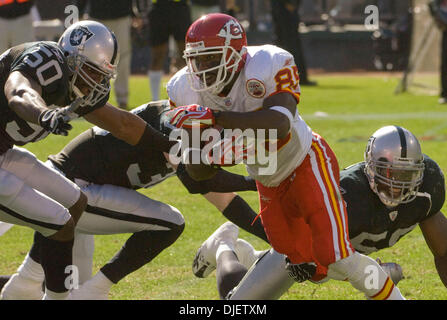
(325, 26)
(335, 26)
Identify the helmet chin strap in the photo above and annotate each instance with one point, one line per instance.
(385, 201)
(220, 84)
(381, 194)
(75, 91)
(78, 92)
(79, 95)
(402, 199)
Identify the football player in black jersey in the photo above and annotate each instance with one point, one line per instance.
(395, 189)
(109, 171)
(44, 85)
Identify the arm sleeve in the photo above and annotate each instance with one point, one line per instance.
(223, 182)
(42, 64)
(434, 184)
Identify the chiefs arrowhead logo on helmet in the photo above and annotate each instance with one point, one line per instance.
(231, 30)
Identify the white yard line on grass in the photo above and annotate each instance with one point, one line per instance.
(375, 116)
(4, 227)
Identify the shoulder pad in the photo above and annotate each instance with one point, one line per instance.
(178, 88)
(434, 184)
(152, 112)
(44, 63)
(274, 67)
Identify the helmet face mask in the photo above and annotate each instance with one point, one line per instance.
(91, 83)
(92, 56)
(394, 184)
(214, 35)
(393, 176)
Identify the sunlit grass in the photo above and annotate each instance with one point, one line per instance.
(169, 276)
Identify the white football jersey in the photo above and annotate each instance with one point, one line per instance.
(268, 70)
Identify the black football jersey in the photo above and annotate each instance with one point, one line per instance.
(372, 225)
(45, 63)
(98, 157)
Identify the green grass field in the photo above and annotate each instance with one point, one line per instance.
(355, 106)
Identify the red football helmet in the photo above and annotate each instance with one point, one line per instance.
(214, 35)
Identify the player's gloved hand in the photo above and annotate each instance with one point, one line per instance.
(192, 115)
(55, 121)
(302, 271)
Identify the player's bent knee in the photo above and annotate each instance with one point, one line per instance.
(26, 159)
(176, 231)
(10, 186)
(66, 233)
(347, 267)
(172, 214)
(361, 271)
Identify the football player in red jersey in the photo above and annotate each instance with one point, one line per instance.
(257, 87)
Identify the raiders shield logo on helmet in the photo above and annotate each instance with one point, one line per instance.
(80, 35)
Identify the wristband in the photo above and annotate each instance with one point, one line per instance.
(216, 115)
(284, 111)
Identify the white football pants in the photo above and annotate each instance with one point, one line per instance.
(114, 210)
(32, 194)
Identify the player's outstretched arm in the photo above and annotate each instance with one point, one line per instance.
(277, 113)
(123, 125)
(223, 182)
(434, 230)
(129, 127)
(201, 172)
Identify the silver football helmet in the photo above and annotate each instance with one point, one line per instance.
(394, 165)
(92, 55)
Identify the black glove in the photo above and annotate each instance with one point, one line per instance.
(301, 272)
(55, 121)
